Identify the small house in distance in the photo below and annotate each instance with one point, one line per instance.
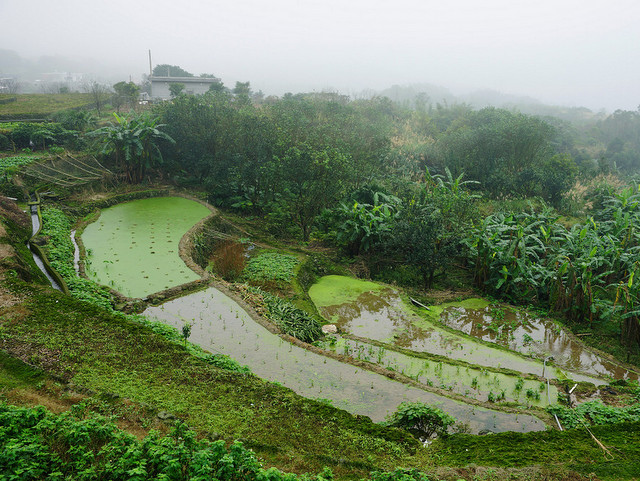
(192, 86)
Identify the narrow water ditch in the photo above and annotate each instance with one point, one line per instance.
(76, 252)
(34, 207)
(220, 325)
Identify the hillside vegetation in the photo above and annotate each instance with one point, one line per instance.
(440, 201)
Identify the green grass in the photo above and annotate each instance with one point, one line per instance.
(16, 374)
(41, 105)
(574, 449)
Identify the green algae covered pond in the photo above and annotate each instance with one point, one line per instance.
(133, 247)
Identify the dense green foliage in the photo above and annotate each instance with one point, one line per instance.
(620, 133)
(587, 273)
(595, 413)
(43, 135)
(291, 159)
(78, 445)
(79, 120)
(133, 141)
(421, 419)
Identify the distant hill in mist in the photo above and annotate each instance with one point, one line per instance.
(429, 94)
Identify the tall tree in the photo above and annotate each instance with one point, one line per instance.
(99, 93)
(310, 180)
(126, 93)
(175, 89)
(166, 70)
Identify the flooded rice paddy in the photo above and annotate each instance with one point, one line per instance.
(220, 325)
(382, 315)
(525, 333)
(133, 247)
(474, 383)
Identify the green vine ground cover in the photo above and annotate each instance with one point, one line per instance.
(9, 163)
(271, 267)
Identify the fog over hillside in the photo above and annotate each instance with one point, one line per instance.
(570, 53)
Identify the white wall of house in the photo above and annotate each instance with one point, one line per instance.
(192, 86)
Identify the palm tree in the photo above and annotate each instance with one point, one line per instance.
(132, 139)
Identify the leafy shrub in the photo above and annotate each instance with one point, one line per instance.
(35, 444)
(74, 119)
(41, 135)
(420, 419)
(290, 319)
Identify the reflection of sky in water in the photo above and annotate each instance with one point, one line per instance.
(221, 325)
(474, 383)
(383, 317)
(527, 334)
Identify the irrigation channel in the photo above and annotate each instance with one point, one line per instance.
(132, 247)
(38, 257)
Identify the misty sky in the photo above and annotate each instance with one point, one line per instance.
(578, 53)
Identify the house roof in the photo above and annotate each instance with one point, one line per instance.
(184, 80)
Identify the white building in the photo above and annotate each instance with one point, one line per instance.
(192, 86)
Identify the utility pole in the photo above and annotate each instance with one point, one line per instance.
(150, 68)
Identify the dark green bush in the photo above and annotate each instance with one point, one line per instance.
(420, 419)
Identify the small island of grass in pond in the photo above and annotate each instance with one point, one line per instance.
(133, 247)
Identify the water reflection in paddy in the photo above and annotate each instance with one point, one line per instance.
(467, 381)
(524, 333)
(221, 325)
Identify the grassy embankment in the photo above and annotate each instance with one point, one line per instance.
(40, 106)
